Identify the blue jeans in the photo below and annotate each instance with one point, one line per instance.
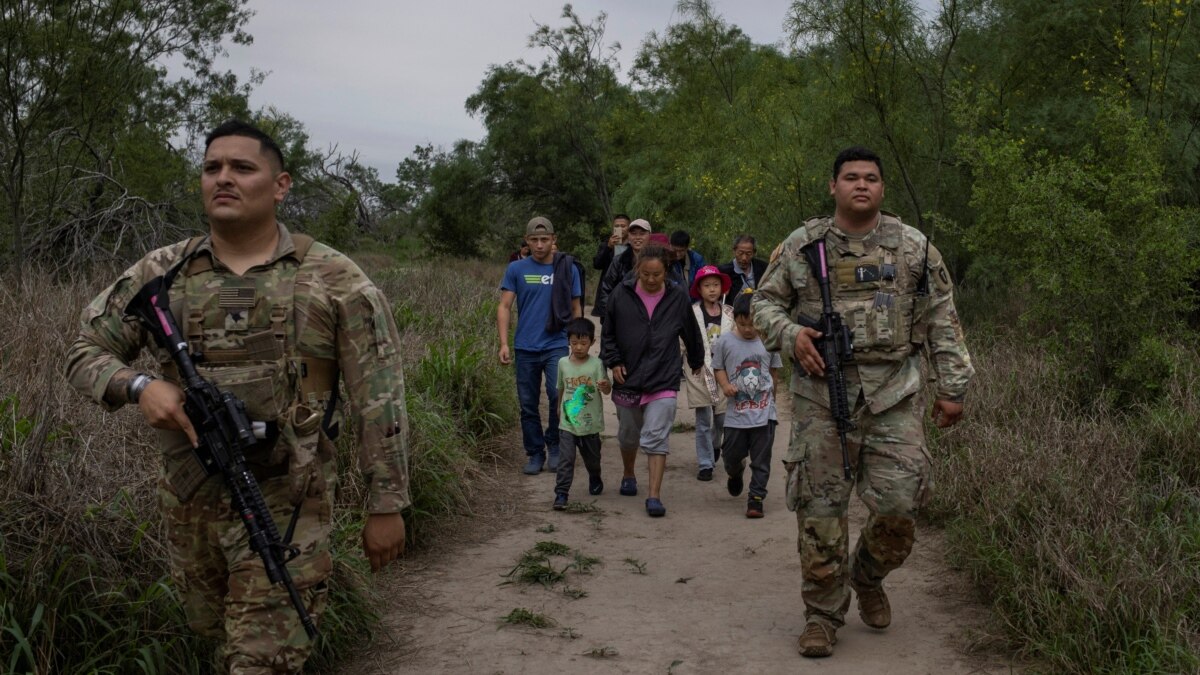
(709, 428)
(530, 367)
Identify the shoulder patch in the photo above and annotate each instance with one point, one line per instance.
(938, 272)
(775, 253)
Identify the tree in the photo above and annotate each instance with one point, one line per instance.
(82, 95)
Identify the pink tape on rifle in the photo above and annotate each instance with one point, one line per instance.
(162, 319)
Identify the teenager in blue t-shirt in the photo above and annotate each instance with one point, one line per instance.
(531, 283)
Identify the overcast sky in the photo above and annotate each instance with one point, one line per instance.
(383, 76)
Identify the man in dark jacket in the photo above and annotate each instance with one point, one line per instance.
(639, 234)
(746, 271)
(611, 247)
(687, 262)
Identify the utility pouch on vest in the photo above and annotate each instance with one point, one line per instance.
(184, 473)
(920, 327)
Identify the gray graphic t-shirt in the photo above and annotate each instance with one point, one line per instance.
(747, 364)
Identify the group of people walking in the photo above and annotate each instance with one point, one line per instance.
(283, 325)
(672, 324)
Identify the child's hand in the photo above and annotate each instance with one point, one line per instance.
(729, 389)
(605, 387)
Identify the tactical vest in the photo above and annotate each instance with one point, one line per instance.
(244, 333)
(874, 289)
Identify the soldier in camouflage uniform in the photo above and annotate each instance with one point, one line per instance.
(876, 269)
(274, 318)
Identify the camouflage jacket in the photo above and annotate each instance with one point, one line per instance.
(873, 284)
(334, 316)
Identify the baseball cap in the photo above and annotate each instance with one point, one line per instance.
(642, 223)
(539, 225)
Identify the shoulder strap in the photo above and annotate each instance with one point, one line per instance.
(195, 264)
(302, 242)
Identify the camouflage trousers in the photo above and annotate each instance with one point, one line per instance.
(891, 469)
(225, 590)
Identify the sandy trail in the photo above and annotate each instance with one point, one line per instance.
(719, 593)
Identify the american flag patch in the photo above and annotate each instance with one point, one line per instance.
(234, 298)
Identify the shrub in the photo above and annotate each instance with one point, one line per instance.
(1104, 263)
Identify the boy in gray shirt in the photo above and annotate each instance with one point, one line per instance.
(746, 371)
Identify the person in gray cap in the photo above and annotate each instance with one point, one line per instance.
(547, 291)
(639, 234)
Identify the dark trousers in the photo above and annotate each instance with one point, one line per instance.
(532, 368)
(754, 443)
(589, 449)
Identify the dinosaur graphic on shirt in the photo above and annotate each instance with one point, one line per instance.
(583, 395)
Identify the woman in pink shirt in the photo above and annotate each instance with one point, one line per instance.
(645, 318)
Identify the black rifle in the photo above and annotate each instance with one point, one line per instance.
(836, 347)
(225, 432)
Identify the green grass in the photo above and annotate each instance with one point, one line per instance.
(549, 548)
(1081, 525)
(84, 583)
(523, 617)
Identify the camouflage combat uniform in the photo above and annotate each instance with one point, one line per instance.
(277, 337)
(873, 283)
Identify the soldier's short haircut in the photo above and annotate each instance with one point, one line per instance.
(856, 153)
(741, 305)
(745, 239)
(236, 127)
(581, 327)
(681, 238)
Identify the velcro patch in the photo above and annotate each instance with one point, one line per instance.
(237, 297)
(866, 273)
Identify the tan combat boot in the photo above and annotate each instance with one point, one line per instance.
(817, 640)
(874, 608)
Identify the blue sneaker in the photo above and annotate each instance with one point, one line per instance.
(534, 465)
(560, 501)
(595, 485)
(655, 508)
(552, 464)
(629, 487)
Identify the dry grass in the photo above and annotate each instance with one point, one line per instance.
(1083, 526)
(81, 541)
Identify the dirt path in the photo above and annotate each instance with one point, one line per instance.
(716, 593)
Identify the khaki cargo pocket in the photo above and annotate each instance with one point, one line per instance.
(263, 387)
(381, 323)
(925, 482)
(798, 492)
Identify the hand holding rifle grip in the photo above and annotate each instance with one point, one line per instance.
(837, 349)
(225, 432)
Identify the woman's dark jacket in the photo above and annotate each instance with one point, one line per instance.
(649, 348)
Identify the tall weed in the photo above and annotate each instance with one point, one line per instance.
(1082, 524)
(84, 583)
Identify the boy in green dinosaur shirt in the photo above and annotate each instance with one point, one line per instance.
(582, 378)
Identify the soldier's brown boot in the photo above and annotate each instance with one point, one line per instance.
(874, 608)
(817, 640)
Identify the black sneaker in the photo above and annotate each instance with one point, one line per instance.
(560, 501)
(704, 475)
(734, 484)
(754, 508)
(595, 485)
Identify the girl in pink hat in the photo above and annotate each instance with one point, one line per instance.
(703, 395)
